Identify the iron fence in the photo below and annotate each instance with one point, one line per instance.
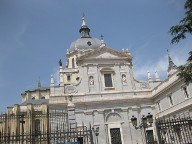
(39, 128)
(175, 130)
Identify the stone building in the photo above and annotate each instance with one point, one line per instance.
(97, 87)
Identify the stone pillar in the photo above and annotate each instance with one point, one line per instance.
(52, 86)
(71, 113)
(44, 121)
(29, 119)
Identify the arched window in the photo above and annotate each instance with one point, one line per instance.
(33, 98)
(42, 97)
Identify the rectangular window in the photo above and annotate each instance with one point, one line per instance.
(37, 127)
(115, 136)
(185, 91)
(159, 106)
(170, 99)
(73, 63)
(68, 77)
(108, 80)
(149, 137)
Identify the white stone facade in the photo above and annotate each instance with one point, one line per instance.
(99, 84)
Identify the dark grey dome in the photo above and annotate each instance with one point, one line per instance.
(85, 43)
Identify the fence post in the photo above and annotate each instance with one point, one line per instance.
(157, 125)
(91, 135)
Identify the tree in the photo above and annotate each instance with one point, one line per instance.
(179, 33)
(186, 70)
(185, 27)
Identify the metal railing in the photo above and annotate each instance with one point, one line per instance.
(39, 128)
(174, 130)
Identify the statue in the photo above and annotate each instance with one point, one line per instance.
(91, 80)
(124, 79)
(70, 103)
(60, 63)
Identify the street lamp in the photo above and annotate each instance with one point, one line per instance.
(146, 121)
(150, 118)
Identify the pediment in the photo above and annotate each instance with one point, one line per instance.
(105, 53)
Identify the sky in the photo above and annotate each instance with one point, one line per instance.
(35, 34)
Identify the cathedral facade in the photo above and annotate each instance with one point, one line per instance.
(97, 89)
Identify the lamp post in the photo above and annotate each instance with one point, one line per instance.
(96, 131)
(146, 121)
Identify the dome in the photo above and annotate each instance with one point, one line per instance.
(85, 43)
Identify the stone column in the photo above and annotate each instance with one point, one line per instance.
(71, 113)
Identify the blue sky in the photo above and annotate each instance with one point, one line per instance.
(35, 34)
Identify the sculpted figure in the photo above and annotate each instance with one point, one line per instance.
(124, 79)
(60, 62)
(91, 80)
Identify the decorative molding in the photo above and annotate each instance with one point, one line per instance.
(101, 50)
(70, 89)
(135, 108)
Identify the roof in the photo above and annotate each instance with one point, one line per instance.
(36, 102)
(41, 89)
(85, 43)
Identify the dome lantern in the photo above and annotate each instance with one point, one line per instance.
(85, 41)
(84, 30)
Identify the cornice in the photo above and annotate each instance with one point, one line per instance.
(165, 85)
(105, 49)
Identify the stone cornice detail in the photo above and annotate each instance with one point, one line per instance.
(165, 85)
(175, 108)
(105, 49)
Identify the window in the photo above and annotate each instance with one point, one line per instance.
(42, 97)
(149, 136)
(37, 127)
(108, 73)
(108, 80)
(33, 98)
(73, 63)
(115, 136)
(170, 99)
(68, 77)
(185, 91)
(159, 106)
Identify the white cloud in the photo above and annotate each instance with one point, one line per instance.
(179, 55)
(159, 66)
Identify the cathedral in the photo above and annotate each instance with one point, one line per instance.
(98, 101)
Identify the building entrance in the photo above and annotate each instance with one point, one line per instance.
(115, 136)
